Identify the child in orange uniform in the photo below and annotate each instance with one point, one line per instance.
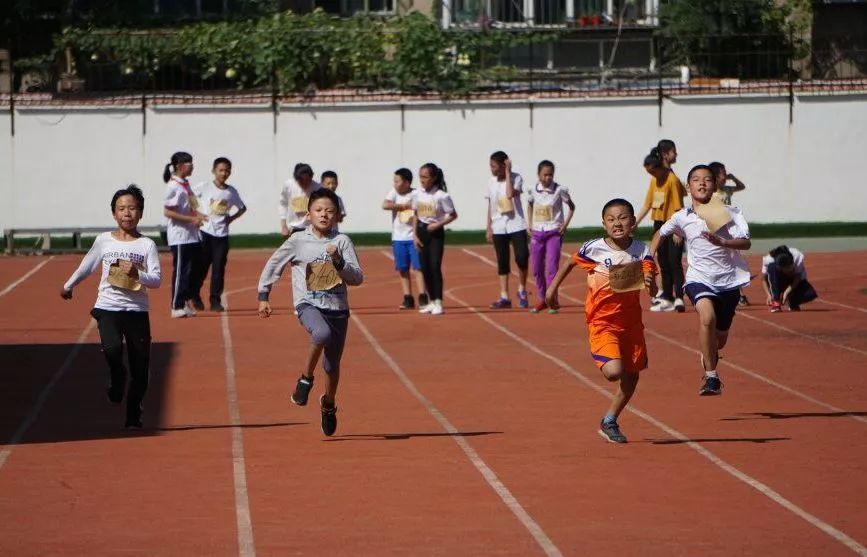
(618, 267)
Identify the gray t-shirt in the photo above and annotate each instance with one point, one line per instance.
(305, 252)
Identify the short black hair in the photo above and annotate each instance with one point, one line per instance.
(302, 169)
(404, 173)
(324, 192)
(222, 160)
(545, 163)
(618, 202)
(499, 156)
(132, 190)
(328, 174)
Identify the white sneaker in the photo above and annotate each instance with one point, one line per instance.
(428, 308)
(191, 311)
(679, 306)
(656, 299)
(179, 313)
(437, 308)
(663, 305)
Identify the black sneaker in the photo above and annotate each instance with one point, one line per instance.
(423, 300)
(302, 390)
(133, 423)
(198, 304)
(218, 307)
(610, 431)
(710, 386)
(329, 417)
(743, 301)
(115, 394)
(408, 303)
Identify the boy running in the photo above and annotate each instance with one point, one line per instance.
(618, 267)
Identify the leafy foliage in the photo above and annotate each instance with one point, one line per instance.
(292, 52)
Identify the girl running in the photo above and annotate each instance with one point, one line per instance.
(130, 266)
(547, 225)
(433, 211)
(181, 207)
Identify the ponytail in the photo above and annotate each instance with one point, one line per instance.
(177, 159)
(438, 176)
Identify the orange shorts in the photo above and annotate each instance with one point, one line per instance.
(608, 344)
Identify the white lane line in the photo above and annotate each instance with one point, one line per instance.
(26, 276)
(838, 304)
(800, 334)
(43, 395)
(490, 477)
(725, 466)
(246, 546)
(239, 290)
(751, 373)
(387, 254)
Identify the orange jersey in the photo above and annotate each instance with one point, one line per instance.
(618, 311)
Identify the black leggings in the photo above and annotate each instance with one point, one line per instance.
(670, 266)
(215, 254)
(185, 262)
(433, 246)
(135, 328)
(519, 244)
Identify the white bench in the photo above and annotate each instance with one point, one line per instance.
(43, 235)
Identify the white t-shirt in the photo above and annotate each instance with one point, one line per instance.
(432, 206)
(142, 252)
(716, 267)
(401, 221)
(217, 203)
(178, 199)
(293, 203)
(797, 256)
(512, 220)
(548, 213)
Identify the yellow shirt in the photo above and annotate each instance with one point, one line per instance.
(665, 199)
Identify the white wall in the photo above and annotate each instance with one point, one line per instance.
(63, 163)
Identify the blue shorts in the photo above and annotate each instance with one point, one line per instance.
(724, 303)
(405, 254)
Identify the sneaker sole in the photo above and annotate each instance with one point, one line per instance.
(295, 402)
(709, 393)
(608, 439)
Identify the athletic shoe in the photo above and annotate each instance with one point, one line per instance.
(198, 304)
(408, 303)
(610, 431)
(552, 311)
(329, 418)
(523, 299)
(133, 422)
(776, 307)
(743, 301)
(191, 311)
(541, 306)
(423, 300)
(437, 307)
(679, 307)
(502, 303)
(427, 309)
(218, 307)
(663, 305)
(656, 299)
(302, 390)
(710, 386)
(179, 313)
(115, 395)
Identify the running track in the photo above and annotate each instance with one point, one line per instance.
(469, 434)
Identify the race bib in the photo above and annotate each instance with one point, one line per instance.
(219, 207)
(299, 204)
(505, 205)
(658, 200)
(405, 216)
(714, 213)
(194, 202)
(543, 213)
(322, 276)
(119, 279)
(426, 210)
(626, 277)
